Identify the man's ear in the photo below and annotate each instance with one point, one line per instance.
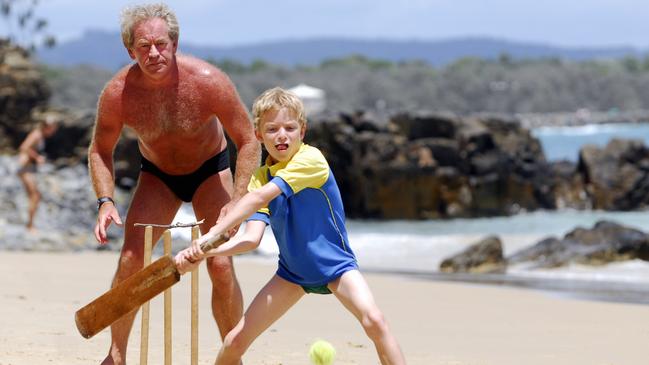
(130, 53)
(175, 47)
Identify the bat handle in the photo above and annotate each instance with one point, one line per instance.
(215, 242)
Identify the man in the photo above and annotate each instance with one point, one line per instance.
(179, 107)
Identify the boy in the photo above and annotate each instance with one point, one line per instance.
(296, 193)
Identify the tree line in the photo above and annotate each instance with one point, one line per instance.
(468, 85)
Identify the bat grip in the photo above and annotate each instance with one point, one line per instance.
(215, 242)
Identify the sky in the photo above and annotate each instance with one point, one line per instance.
(570, 23)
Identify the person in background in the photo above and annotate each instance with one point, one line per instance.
(31, 153)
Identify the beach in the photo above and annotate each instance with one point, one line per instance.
(437, 323)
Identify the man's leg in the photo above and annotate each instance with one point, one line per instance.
(227, 300)
(152, 202)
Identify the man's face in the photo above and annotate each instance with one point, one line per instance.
(281, 133)
(152, 48)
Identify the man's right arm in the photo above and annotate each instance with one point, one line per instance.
(108, 127)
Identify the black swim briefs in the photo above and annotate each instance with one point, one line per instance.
(184, 186)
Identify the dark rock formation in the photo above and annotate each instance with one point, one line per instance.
(604, 243)
(22, 90)
(617, 176)
(66, 214)
(435, 166)
(485, 256)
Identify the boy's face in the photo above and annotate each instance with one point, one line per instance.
(281, 133)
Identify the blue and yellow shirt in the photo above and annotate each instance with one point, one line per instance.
(307, 219)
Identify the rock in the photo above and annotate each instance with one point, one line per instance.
(604, 243)
(485, 256)
(431, 165)
(66, 215)
(615, 176)
(22, 89)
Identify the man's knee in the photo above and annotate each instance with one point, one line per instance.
(220, 269)
(131, 259)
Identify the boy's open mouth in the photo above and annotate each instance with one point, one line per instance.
(282, 146)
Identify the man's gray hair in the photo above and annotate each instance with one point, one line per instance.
(132, 15)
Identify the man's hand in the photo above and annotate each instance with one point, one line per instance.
(107, 214)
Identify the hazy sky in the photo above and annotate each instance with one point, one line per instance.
(228, 22)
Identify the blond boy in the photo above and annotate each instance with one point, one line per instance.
(295, 192)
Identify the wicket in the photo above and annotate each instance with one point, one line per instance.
(144, 336)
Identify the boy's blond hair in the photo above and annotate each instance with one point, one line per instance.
(275, 99)
(134, 14)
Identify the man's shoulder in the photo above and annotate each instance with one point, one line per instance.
(116, 84)
(199, 69)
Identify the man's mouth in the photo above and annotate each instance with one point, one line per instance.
(281, 146)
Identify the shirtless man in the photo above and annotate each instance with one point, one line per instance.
(179, 107)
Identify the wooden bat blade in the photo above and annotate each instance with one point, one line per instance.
(127, 296)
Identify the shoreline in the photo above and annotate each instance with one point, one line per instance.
(588, 290)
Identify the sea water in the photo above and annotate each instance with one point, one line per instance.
(418, 247)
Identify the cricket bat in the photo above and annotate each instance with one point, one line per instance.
(134, 291)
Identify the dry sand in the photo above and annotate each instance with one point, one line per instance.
(436, 323)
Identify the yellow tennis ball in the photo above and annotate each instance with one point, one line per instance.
(322, 353)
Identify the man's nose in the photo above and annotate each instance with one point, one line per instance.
(153, 51)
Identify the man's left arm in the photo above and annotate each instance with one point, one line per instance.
(237, 124)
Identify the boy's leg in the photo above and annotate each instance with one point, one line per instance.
(274, 299)
(354, 293)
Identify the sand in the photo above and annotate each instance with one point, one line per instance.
(437, 323)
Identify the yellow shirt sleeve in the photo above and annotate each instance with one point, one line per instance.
(307, 169)
(257, 180)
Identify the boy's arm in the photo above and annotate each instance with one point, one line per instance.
(244, 208)
(245, 242)
(248, 241)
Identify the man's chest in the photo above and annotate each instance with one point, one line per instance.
(155, 114)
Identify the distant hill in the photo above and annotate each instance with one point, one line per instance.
(104, 49)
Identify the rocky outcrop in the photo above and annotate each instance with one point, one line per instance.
(485, 256)
(22, 90)
(430, 165)
(604, 243)
(66, 214)
(617, 176)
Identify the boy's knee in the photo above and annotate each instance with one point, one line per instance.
(374, 323)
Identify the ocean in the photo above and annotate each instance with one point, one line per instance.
(418, 247)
